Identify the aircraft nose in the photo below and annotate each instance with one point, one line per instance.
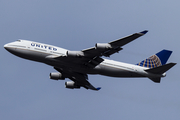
(8, 47)
(5, 45)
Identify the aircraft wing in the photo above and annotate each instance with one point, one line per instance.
(107, 49)
(79, 79)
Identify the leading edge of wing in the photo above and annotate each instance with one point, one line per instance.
(123, 41)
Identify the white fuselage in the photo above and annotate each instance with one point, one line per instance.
(45, 53)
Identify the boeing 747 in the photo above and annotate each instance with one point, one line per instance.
(76, 65)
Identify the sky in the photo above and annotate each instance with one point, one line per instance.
(27, 93)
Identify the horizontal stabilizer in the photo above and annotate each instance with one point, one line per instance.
(161, 69)
(156, 80)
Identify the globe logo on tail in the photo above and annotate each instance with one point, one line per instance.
(151, 62)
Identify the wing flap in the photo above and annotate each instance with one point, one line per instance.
(94, 62)
(112, 51)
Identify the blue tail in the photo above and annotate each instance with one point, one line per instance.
(156, 60)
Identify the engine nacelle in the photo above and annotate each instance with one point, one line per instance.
(103, 46)
(56, 76)
(71, 85)
(75, 54)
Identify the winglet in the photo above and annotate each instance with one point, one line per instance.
(98, 88)
(144, 32)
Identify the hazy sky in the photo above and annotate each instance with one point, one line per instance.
(27, 93)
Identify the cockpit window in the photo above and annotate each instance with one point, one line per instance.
(18, 40)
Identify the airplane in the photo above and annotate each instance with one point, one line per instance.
(76, 65)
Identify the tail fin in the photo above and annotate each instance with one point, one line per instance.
(156, 60)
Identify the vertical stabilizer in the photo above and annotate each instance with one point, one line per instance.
(156, 60)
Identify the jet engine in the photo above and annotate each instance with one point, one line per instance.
(56, 76)
(75, 54)
(103, 46)
(71, 85)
